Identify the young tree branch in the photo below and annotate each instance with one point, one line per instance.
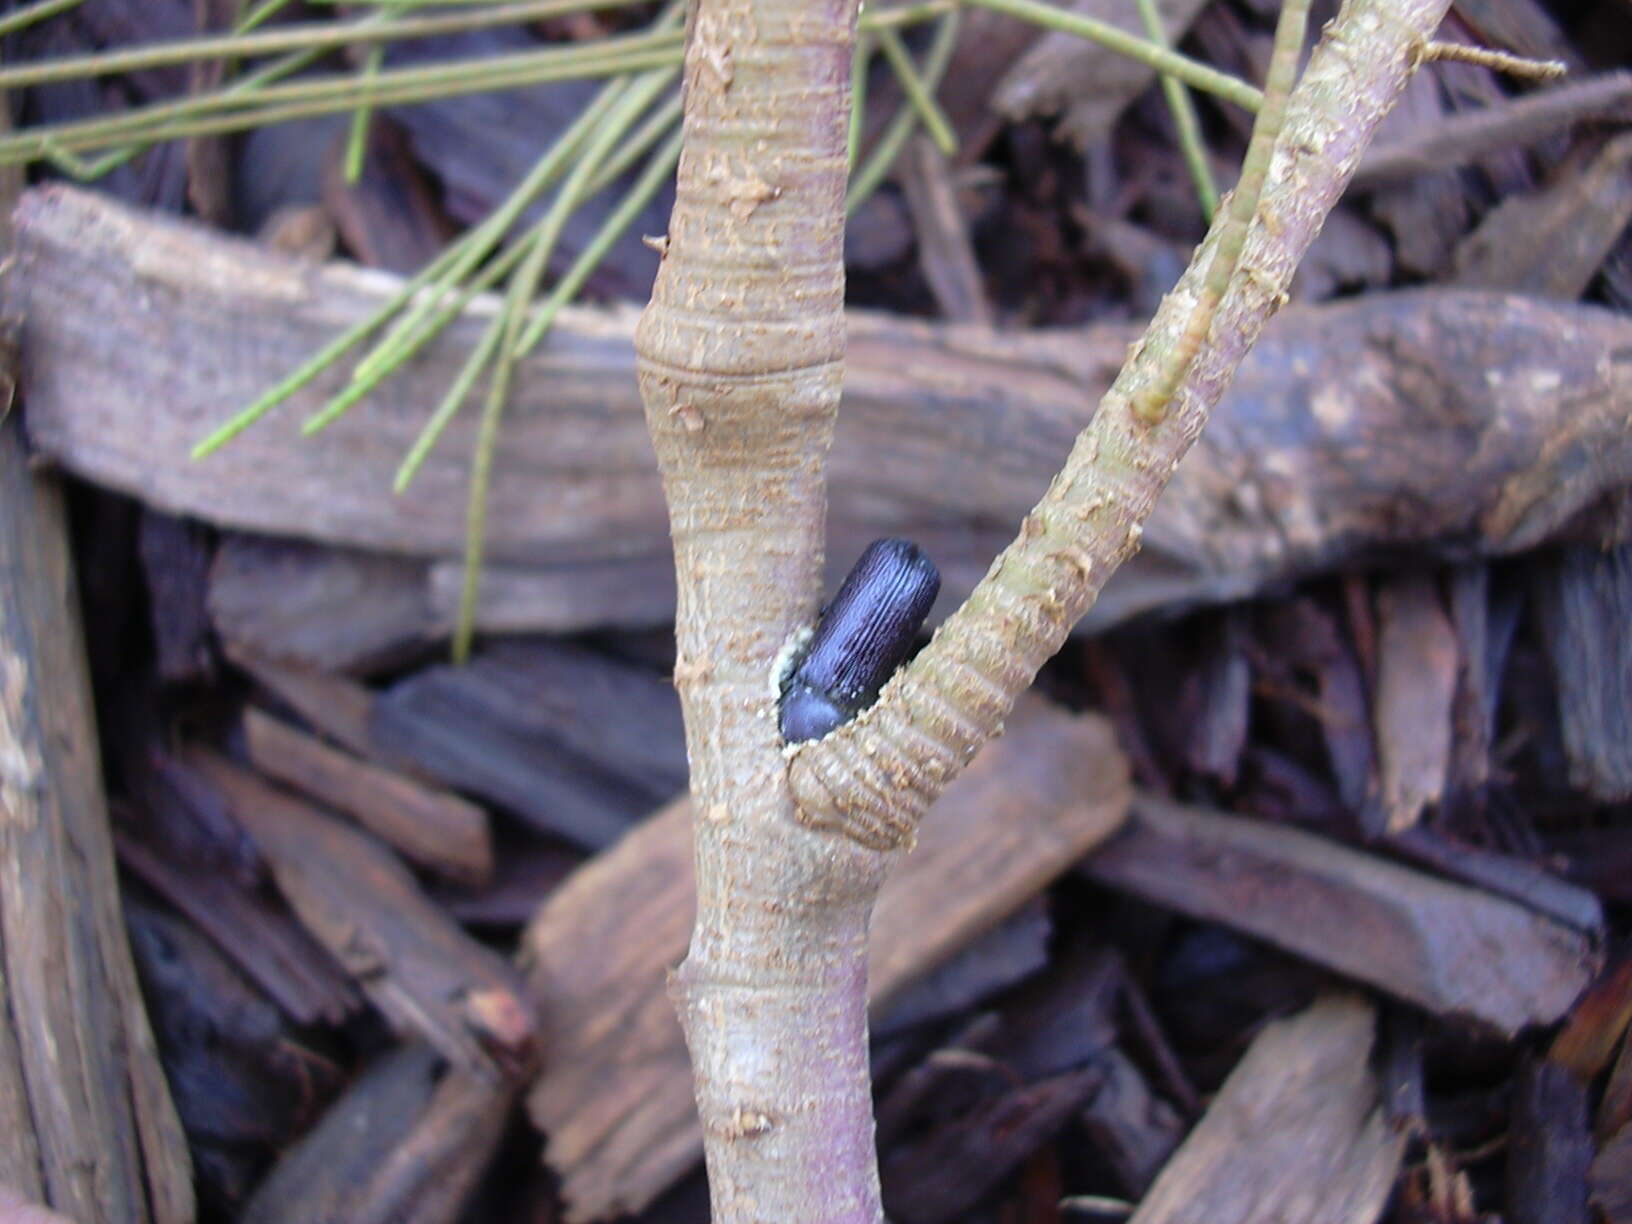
(740, 357)
(740, 360)
(873, 778)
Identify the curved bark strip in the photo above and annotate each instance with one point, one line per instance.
(140, 331)
(740, 358)
(873, 779)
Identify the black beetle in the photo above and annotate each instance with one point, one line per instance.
(862, 637)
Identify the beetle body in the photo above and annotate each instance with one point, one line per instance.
(864, 635)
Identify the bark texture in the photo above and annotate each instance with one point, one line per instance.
(740, 360)
(86, 1123)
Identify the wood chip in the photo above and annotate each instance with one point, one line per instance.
(431, 827)
(1588, 1041)
(1416, 682)
(1088, 83)
(936, 1178)
(1296, 1135)
(266, 944)
(1548, 1147)
(1453, 950)
(402, 1146)
(1460, 139)
(1585, 594)
(175, 561)
(329, 609)
(945, 253)
(1611, 1178)
(577, 743)
(426, 975)
(1552, 242)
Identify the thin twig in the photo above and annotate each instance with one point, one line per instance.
(1151, 404)
(1497, 61)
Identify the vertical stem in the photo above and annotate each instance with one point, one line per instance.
(740, 362)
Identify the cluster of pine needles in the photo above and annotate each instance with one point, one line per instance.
(631, 123)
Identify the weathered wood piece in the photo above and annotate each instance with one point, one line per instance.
(526, 870)
(1428, 212)
(615, 1098)
(621, 593)
(271, 949)
(479, 146)
(1296, 1135)
(340, 709)
(1599, 859)
(1505, 876)
(330, 609)
(945, 254)
(1416, 683)
(1548, 1147)
(15, 1209)
(405, 1145)
(432, 827)
(175, 562)
(1480, 649)
(1587, 1041)
(1001, 957)
(1553, 241)
(578, 743)
(1585, 596)
(1611, 1177)
(426, 975)
(1517, 411)
(318, 1174)
(1525, 27)
(1460, 139)
(1224, 700)
(241, 1081)
(1133, 1131)
(389, 216)
(1452, 950)
(86, 1121)
(938, 1178)
(960, 1121)
(1615, 1109)
(1306, 637)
